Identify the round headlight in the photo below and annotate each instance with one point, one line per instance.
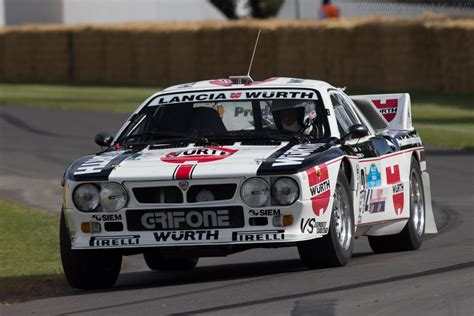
(86, 197)
(112, 197)
(285, 191)
(255, 192)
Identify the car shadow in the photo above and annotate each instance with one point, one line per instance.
(245, 272)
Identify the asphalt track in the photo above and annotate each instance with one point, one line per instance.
(37, 145)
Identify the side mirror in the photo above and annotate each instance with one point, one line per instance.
(103, 139)
(356, 131)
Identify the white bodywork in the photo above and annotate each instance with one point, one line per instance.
(381, 206)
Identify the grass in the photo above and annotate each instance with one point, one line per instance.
(443, 120)
(30, 265)
(77, 97)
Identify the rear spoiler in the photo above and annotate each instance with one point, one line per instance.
(395, 108)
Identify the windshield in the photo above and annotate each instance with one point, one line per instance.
(279, 119)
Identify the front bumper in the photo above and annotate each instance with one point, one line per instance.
(248, 234)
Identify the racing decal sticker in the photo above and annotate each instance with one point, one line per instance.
(407, 140)
(97, 163)
(264, 212)
(234, 95)
(221, 82)
(310, 225)
(107, 217)
(96, 167)
(393, 178)
(183, 172)
(198, 155)
(185, 219)
(373, 177)
(296, 154)
(377, 203)
(190, 157)
(387, 109)
(189, 235)
(107, 241)
(259, 235)
(320, 188)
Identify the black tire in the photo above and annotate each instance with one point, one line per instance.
(159, 262)
(327, 251)
(408, 238)
(87, 269)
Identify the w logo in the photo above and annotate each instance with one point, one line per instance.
(393, 178)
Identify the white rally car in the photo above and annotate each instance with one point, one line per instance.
(216, 167)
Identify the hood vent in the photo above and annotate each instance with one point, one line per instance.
(166, 146)
(261, 143)
(215, 142)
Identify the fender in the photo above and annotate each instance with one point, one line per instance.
(430, 224)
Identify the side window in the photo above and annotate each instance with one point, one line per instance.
(345, 116)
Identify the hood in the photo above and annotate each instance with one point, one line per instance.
(196, 162)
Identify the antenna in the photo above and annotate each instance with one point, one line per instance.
(246, 79)
(253, 54)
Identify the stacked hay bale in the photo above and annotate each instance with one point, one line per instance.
(428, 53)
(88, 54)
(455, 63)
(152, 55)
(2, 55)
(36, 54)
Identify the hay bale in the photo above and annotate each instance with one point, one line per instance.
(152, 55)
(52, 55)
(19, 49)
(184, 55)
(429, 53)
(119, 56)
(88, 50)
(2, 55)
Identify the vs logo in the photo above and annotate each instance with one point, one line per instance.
(393, 178)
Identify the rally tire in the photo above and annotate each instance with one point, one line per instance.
(87, 269)
(411, 237)
(159, 262)
(331, 250)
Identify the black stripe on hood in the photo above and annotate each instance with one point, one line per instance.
(96, 167)
(294, 158)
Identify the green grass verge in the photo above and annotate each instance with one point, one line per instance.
(30, 265)
(77, 97)
(443, 120)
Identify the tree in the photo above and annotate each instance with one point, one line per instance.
(260, 9)
(226, 6)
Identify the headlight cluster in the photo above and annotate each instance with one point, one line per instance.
(255, 192)
(110, 197)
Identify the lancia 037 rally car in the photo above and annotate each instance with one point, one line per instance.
(216, 167)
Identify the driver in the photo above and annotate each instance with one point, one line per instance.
(290, 115)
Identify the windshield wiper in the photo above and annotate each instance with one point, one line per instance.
(301, 138)
(281, 135)
(165, 136)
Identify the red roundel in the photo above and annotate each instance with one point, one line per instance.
(222, 82)
(320, 188)
(198, 155)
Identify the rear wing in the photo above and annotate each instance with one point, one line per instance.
(394, 107)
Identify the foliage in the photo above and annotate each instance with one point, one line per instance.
(260, 9)
(225, 6)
